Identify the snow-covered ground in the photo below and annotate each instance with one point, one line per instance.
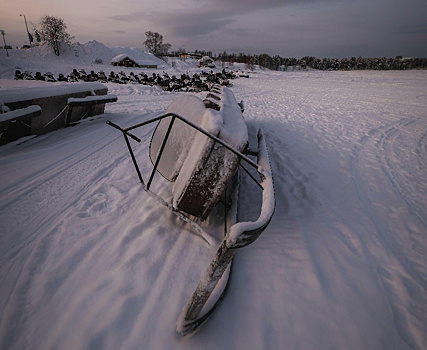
(89, 261)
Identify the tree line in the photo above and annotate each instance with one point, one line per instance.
(279, 63)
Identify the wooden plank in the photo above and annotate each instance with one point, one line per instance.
(91, 100)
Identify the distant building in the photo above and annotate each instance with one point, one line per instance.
(124, 60)
(206, 61)
(190, 55)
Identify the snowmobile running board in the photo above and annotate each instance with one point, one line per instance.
(212, 284)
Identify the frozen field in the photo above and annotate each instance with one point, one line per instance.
(89, 261)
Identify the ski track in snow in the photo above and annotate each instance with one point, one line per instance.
(88, 260)
(390, 145)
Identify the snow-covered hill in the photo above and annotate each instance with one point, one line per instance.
(84, 54)
(92, 55)
(89, 261)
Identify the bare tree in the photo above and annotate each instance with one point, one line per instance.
(53, 30)
(154, 44)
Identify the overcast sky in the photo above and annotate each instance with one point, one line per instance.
(289, 28)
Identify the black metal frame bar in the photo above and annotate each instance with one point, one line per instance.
(133, 158)
(198, 128)
(174, 116)
(251, 176)
(160, 152)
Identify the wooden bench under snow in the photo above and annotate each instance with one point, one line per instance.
(19, 114)
(61, 104)
(12, 123)
(88, 101)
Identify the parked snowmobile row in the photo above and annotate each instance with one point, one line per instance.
(196, 82)
(48, 76)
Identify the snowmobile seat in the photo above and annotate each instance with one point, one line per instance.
(199, 166)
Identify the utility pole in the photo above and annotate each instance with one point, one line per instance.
(5, 46)
(30, 38)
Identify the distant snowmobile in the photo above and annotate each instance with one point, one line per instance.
(48, 76)
(18, 75)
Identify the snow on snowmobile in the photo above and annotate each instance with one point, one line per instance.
(201, 147)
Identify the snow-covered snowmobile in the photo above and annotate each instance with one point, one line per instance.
(102, 77)
(48, 76)
(200, 146)
(27, 75)
(61, 77)
(18, 75)
(39, 76)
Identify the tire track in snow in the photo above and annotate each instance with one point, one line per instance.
(382, 147)
(96, 172)
(33, 250)
(64, 173)
(62, 164)
(65, 179)
(85, 202)
(31, 255)
(164, 255)
(378, 144)
(393, 167)
(400, 274)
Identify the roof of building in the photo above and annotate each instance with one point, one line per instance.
(123, 56)
(120, 57)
